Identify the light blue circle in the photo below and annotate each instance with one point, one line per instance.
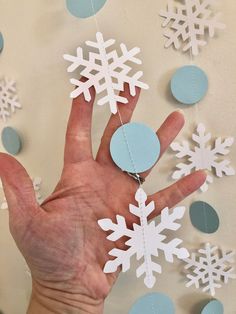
(213, 307)
(1, 42)
(153, 303)
(11, 141)
(84, 8)
(189, 84)
(135, 147)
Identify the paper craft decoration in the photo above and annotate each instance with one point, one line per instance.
(11, 141)
(1, 42)
(84, 8)
(203, 156)
(153, 303)
(204, 217)
(145, 240)
(189, 22)
(37, 182)
(210, 267)
(8, 98)
(189, 84)
(135, 147)
(213, 307)
(106, 71)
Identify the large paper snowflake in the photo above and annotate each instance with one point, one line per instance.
(189, 21)
(203, 156)
(37, 187)
(210, 268)
(106, 71)
(145, 240)
(8, 98)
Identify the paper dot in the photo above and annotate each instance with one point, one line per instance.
(11, 141)
(153, 303)
(189, 84)
(143, 146)
(214, 307)
(204, 217)
(1, 42)
(84, 8)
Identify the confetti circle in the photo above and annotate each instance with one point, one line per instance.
(84, 8)
(1, 42)
(213, 307)
(153, 303)
(204, 217)
(189, 84)
(135, 147)
(11, 141)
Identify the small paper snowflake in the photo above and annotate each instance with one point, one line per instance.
(189, 22)
(37, 186)
(8, 98)
(203, 156)
(210, 267)
(145, 240)
(106, 71)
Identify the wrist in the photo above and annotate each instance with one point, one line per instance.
(45, 300)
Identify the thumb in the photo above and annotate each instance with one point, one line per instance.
(18, 188)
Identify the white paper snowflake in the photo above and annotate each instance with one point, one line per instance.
(210, 268)
(106, 71)
(8, 98)
(146, 240)
(203, 156)
(189, 22)
(37, 186)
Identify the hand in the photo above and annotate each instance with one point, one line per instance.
(61, 241)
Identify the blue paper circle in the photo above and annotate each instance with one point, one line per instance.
(153, 303)
(204, 217)
(11, 141)
(213, 307)
(135, 147)
(84, 8)
(189, 84)
(1, 42)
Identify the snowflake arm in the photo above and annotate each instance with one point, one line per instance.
(145, 240)
(106, 71)
(188, 23)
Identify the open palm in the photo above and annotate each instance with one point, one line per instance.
(61, 241)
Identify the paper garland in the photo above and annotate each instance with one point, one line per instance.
(203, 156)
(9, 102)
(135, 147)
(204, 217)
(84, 8)
(153, 303)
(11, 140)
(1, 42)
(189, 84)
(208, 267)
(189, 23)
(106, 71)
(145, 240)
(213, 307)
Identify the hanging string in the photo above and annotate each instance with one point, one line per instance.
(134, 170)
(119, 114)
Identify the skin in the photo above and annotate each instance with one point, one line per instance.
(60, 239)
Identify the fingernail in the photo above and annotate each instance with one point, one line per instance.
(180, 111)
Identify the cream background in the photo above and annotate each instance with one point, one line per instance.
(37, 33)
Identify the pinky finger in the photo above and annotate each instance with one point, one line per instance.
(177, 192)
